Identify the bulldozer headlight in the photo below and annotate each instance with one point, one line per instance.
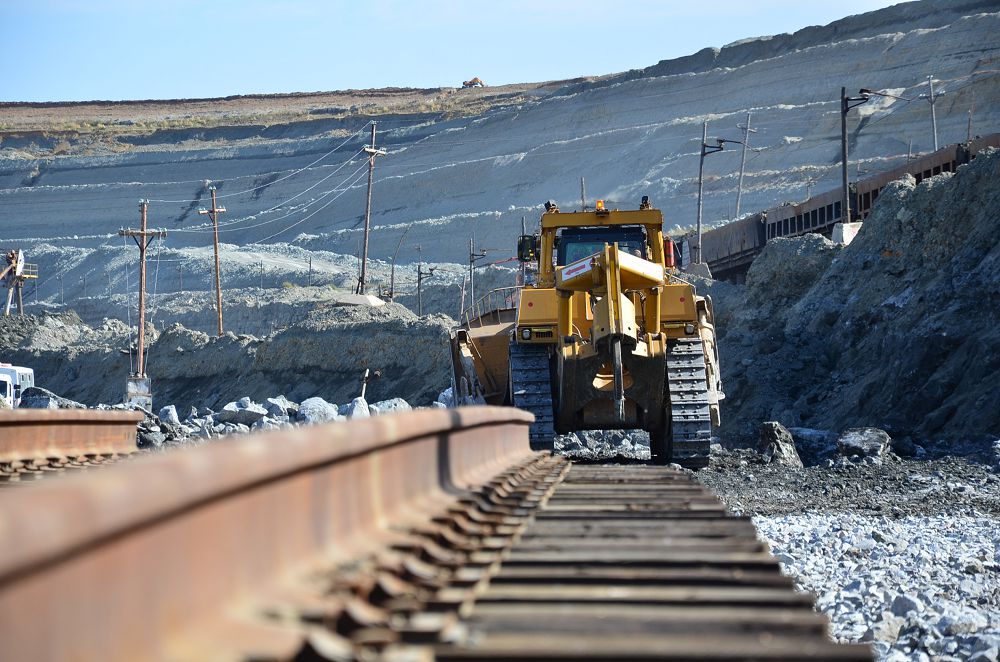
(689, 329)
(526, 334)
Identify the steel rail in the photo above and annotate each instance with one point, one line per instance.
(159, 558)
(27, 434)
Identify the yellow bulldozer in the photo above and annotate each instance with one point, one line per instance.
(608, 336)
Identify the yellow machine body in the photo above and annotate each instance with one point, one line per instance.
(606, 317)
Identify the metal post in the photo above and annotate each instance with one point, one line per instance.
(845, 201)
(968, 131)
(743, 163)
(310, 271)
(583, 195)
(372, 153)
(420, 279)
(213, 213)
(84, 279)
(261, 276)
(930, 85)
(846, 103)
(701, 174)
(472, 271)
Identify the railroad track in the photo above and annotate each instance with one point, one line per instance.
(35, 443)
(429, 535)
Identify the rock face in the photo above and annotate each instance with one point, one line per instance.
(776, 445)
(324, 355)
(884, 332)
(863, 442)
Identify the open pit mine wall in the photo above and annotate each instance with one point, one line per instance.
(898, 330)
(480, 175)
(318, 357)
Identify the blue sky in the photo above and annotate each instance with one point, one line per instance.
(72, 50)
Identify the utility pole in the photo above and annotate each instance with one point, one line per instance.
(372, 153)
(138, 386)
(846, 103)
(473, 256)
(421, 274)
(705, 149)
(743, 160)
(310, 271)
(583, 195)
(261, 276)
(932, 98)
(392, 272)
(968, 131)
(213, 213)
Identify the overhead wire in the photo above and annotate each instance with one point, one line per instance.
(280, 179)
(205, 227)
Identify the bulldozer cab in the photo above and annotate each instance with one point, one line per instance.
(577, 243)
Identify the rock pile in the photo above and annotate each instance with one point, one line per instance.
(898, 330)
(918, 588)
(244, 416)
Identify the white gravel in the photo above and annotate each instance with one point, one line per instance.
(917, 588)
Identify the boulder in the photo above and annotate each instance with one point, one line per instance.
(168, 414)
(281, 407)
(243, 412)
(151, 439)
(357, 408)
(776, 445)
(864, 442)
(389, 406)
(317, 410)
(446, 397)
(35, 397)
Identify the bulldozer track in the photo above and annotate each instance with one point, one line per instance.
(690, 417)
(532, 390)
(39, 443)
(419, 536)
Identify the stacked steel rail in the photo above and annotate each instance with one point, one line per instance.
(435, 533)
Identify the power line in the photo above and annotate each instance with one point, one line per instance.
(292, 174)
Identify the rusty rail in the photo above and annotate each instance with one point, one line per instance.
(429, 535)
(156, 558)
(27, 434)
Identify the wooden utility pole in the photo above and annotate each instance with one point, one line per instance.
(372, 153)
(213, 213)
(142, 238)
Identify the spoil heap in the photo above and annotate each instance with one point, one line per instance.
(899, 330)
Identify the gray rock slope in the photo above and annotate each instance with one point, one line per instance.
(449, 179)
(899, 330)
(326, 354)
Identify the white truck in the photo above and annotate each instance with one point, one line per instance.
(14, 379)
